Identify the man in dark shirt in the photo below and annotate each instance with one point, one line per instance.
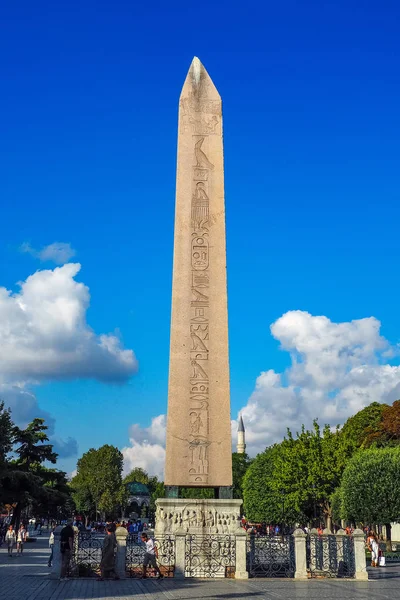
(66, 547)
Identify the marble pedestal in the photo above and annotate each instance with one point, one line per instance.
(186, 517)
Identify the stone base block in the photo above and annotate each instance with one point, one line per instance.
(241, 575)
(202, 516)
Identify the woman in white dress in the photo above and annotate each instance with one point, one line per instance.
(373, 547)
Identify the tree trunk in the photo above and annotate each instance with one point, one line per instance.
(388, 537)
(16, 518)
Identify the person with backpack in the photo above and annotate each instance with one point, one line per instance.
(66, 548)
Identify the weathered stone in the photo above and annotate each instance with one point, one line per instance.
(198, 450)
(184, 515)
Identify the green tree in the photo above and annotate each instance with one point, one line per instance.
(26, 476)
(263, 502)
(295, 479)
(97, 484)
(240, 464)
(370, 487)
(361, 430)
(6, 441)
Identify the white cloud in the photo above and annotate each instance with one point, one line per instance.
(44, 334)
(72, 474)
(57, 252)
(336, 370)
(147, 448)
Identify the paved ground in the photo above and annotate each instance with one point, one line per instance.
(26, 578)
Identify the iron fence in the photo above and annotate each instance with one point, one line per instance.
(330, 555)
(210, 555)
(135, 551)
(271, 556)
(86, 555)
(391, 551)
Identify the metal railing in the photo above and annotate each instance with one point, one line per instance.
(271, 556)
(210, 555)
(330, 555)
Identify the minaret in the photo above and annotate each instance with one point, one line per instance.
(241, 441)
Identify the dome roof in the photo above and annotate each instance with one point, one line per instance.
(138, 489)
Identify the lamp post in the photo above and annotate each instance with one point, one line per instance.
(283, 511)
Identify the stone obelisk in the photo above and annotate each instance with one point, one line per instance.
(198, 451)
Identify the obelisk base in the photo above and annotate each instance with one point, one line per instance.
(206, 533)
(203, 516)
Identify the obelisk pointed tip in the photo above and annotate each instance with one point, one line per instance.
(198, 80)
(196, 67)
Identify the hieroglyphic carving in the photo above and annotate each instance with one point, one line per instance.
(200, 104)
(201, 158)
(199, 326)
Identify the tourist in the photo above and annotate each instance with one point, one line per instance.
(21, 539)
(10, 540)
(107, 564)
(51, 546)
(150, 556)
(66, 547)
(373, 547)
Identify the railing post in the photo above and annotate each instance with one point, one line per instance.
(180, 541)
(340, 537)
(241, 555)
(120, 561)
(56, 562)
(359, 555)
(313, 550)
(300, 554)
(74, 562)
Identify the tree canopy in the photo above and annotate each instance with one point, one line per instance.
(97, 484)
(25, 480)
(370, 488)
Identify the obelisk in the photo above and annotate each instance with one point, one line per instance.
(198, 451)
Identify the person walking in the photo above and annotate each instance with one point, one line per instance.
(373, 547)
(107, 564)
(66, 548)
(21, 539)
(10, 540)
(150, 556)
(51, 546)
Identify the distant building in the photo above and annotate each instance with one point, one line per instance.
(139, 499)
(241, 441)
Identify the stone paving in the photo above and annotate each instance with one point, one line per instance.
(27, 578)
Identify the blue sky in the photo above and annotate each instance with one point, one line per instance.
(311, 127)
